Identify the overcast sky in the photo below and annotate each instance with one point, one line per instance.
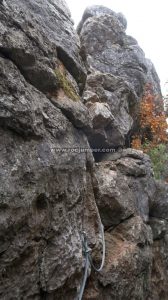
(147, 22)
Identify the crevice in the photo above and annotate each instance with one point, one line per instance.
(74, 70)
(69, 117)
(59, 9)
(43, 294)
(111, 228)
(160, 238)
(159, 218)
(26, 138)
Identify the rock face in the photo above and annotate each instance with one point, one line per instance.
(124, 188)
(159, 225)
(115, 184)
(42, 193)
(51, 188)
(118, 71)
(127, 270)
(120, 100)
(30, 37)
(46, 195)
(109, 50)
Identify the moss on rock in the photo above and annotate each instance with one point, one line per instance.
(66, 85)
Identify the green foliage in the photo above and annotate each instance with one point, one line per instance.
(159, 158)
(66, 85)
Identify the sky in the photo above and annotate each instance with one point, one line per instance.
(147, 23)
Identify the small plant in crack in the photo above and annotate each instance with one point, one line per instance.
(66, 85)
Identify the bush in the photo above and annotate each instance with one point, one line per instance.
(159, 158)
(152, 136)
(152, 123)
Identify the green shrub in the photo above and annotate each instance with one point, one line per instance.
(66, 85)
(159, 158)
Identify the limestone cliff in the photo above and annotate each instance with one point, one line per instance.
(62, 96)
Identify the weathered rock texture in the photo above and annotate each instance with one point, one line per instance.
(117, 100)
(51, 189)
(46, 196)
(127, 270)
(34, 34)
(118, 72)
(42, 193)
(159, 225)
(123, 186)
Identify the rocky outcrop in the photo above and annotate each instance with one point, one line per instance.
(153, 79)
(119, 100)
(52, 189)
(109, 50)
(118, 72)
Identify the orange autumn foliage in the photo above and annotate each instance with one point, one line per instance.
(152, 123)
(136, 142)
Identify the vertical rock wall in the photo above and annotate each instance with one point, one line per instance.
(59, 98)
(46, 195)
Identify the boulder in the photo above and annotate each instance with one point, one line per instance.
(159, 203)
(100, 10)
(75, 111)
(100, 114)
(123, 186)
(109, 50)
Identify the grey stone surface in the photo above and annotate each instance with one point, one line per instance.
(46, 196)
(153, 78)
(100, 10)
(159, 284)
(117, 70)
(34, 34)
(124, 187)
(109, 50)
(76, 112)
(159, 203)
(159, 224)
(51, 190)
(107, 89)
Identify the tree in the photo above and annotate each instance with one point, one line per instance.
(152, 122)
